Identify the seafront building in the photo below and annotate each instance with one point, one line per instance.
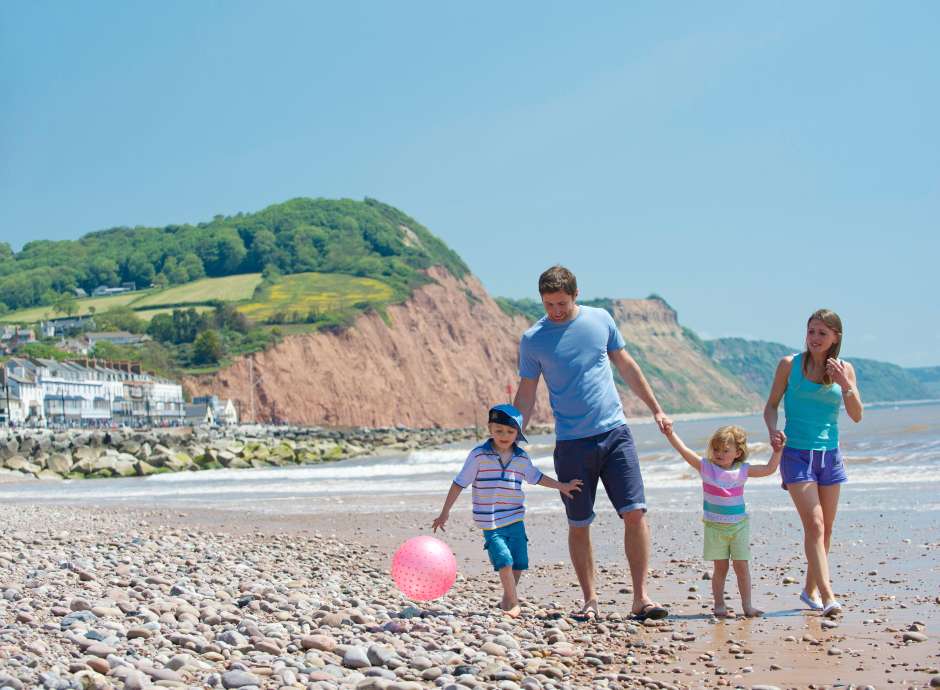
(88, 393)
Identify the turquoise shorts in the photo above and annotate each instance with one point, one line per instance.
(507, 546)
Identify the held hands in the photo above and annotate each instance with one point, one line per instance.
(778, 440)
(663, 422)
(568, 488)
(837, 372)
(440, 521)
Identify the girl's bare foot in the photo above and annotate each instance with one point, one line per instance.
(721, 611)
(752, 612)
(511, 609)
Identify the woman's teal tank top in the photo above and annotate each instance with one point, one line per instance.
(812, 411)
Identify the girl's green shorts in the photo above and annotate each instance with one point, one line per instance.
(727, 541)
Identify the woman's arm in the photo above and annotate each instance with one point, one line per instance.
(689, 455)
(843, 373)
(777, 389)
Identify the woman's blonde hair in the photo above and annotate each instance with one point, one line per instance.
(726, 435)
(834, 323)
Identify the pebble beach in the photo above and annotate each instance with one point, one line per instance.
(112, 598)
(279, 578)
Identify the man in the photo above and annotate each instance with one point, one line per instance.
(573, 346)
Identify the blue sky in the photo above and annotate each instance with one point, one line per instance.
(749, 162)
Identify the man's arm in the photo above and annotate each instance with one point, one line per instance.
(525, 398)
(630, 372)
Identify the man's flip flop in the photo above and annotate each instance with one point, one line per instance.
(651, 612)
(588, 611)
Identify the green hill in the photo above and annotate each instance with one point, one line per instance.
(229, 286)
(929, 378)
(755, 361)
(366, 239)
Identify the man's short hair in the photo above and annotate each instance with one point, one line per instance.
(558, 279)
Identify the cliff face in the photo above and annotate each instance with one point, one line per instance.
(448, 354)
(676, 364)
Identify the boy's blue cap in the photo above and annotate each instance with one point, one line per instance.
(510, 416)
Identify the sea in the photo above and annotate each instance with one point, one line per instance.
(892, 457)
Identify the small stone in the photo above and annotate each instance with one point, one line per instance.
(914, 637)
(834, 651)
(99, 665)
(356, 657)
(79, 604)
(323, 643)
(239, 679)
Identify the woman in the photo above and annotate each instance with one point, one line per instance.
(812, 385)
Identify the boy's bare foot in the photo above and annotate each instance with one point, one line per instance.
(752, 612)
(511, 609)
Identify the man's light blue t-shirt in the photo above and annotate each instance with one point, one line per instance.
(572, 356)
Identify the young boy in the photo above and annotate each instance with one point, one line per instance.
(496, 469)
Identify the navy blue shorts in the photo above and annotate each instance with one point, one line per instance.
(825, 467)
(610, 457)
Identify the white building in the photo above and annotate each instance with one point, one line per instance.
(87, 393)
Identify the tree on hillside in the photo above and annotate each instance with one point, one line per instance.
(207, 348)
(139, 269)
(193, 267)
(173, 273)
(120, 318)
(65, 303)
(102, 271)
(222, 252)
(263, 250)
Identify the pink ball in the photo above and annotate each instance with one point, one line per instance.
(424, 568)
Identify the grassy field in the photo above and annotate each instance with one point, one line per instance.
(228, 289)
(147, 314)
(303, 293)
(100, 304)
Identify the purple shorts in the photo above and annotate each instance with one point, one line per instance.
(825, 467)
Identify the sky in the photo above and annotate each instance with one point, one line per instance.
(749, 162)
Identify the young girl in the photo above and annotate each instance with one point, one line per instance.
(727, 534)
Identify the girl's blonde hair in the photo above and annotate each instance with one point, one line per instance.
(726, 435)
(833, 322)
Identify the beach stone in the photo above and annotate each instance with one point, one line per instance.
(764, 687)
(239, 679)
(323, 643)
(374, 683)
(6, 680)
(914, 637)
(356, 657)
(834, 651)
(233, 638)
(379, 655)
(935, 682)
(79, 604)
(333, 620)
(493, 649)
(77, 617)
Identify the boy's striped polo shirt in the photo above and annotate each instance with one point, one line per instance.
(498, 498)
